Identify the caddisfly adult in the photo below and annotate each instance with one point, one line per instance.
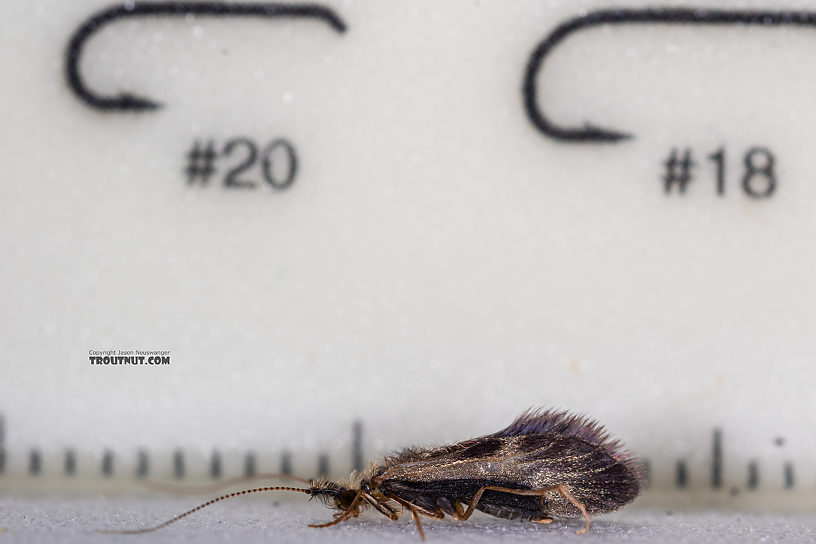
(546, 464)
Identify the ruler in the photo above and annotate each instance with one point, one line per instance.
(74, 468)
(259, 237)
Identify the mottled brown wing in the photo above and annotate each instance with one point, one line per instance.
(538, 450)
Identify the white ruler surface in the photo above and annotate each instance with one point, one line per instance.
(352, 226)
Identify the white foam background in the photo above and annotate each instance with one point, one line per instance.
(438, 265)
(53, 520)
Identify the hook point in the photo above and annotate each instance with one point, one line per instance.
(136, 103)
(597, 134)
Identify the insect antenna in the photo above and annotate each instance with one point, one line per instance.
(212, 488)
(200, 506)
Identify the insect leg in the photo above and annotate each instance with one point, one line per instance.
(418, 524)
(415, 511)
(458, 513)
(381, 507)
(565, 492)
(351, 511)
(475, 500)
(436, 514)
(539, 492)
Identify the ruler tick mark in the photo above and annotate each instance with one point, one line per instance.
(249, 465)
(34, 462)
(716, 459)
(286, 463)
(789, 482)
(2, 444)
(70, 462)
(681, 474)
(753, 475)
(107, 464)
(142, 464)
(647, 473)
(215, 465)
(178, 464)
(323, 465)
(357, 445)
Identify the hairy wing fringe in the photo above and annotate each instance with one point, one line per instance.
(564, 423)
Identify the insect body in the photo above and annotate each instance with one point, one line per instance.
(545, 464)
